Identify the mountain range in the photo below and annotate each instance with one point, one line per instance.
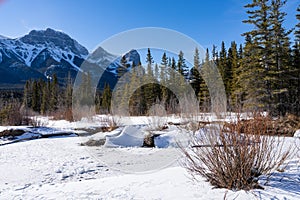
(42, 53)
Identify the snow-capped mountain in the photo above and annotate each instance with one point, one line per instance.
(101, 61)
(42, 53)
(39, 54)
(112, 62)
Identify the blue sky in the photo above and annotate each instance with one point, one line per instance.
(91, 22)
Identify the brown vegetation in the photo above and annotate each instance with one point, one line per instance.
(235, 159)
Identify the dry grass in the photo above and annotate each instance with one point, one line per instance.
(235, 160)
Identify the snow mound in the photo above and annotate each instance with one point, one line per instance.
(297, 134)
(131, 136)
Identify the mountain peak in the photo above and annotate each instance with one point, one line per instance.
(55, 38)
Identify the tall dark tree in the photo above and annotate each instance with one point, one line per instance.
(203, 95)
(195, 73)
(106, 99)
(280, 58)
(257, 56)
(233, 65)
(297, 28)
(181, 65)
(54, 98)
(27, 99)
(123, 68)
(45, 97)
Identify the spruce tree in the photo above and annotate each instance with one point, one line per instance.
(195, 74)
(294, 89)
(165, 61)
(280, 59)
(181, 65)
(45, 98)
(123, 68)
(150, 87)
(203, 95)
(233, 64)
(54, 94)
(297, 28)
(35, 97)
(257, 61)
(27, 99)
(106, 99)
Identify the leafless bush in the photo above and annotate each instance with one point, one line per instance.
(157, 116)
(10, 113)
(235, 160)
(36, 122)
(63, 113)
(85, 111)
(114, 122)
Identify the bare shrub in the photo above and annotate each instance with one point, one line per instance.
(286, 126)
(65, 114)
(114, 122)
(85, 111)
(10, 113)
(149, 140)
(36, 122)
(157, 116)
(235, 160)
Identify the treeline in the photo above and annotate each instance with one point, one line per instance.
(263, 74)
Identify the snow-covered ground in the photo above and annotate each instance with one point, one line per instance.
(61, 168)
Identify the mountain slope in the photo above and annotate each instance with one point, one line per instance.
(42, 53)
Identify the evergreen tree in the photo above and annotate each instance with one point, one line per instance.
(294, 89)
(163, 76)
(233, 65)
(225, 69)
(45, 97)
(195, 74)
(27, 100)
(181, 65)
(123, 68)
(54, 94)
(35, 97)
(68, 93)
(149, 88)
(215, 56)
(279, 59)
(106, 99)
(297, 31)
(258, 52)
(203, 95)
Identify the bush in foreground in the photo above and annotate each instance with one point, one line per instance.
(235, 160)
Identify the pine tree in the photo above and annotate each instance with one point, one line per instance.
(163, 76)
(123, 68)
(195, 74)
(150, 87)
(215, 56)
(106, 99)
(256, 64)
(35, 97)
(203, 95)
(181, 65)
(294, 89)
(233, 64)
(225, 69)
(27, 100)
(68, 93)
(280, 59)
(45, 97)
(297, 28)
(54, 94)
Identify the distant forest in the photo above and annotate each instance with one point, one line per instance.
(263, 74)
